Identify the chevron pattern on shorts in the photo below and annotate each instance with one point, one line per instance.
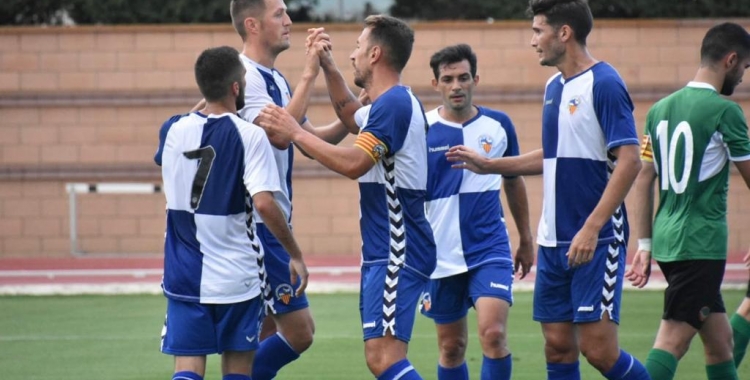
(397, 247)
(613, 251)
(265, 287)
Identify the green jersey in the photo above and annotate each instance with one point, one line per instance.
(691, 135)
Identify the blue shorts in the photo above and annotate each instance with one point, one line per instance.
(448, 299)
(195, 329)
(385, 308)
(276, 260)
(581, 294)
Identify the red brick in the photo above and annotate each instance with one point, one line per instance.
(154, 80)
(345, 225)
(10, 42)
(60, 115)
(86, 226)
(39, 135)
(194, 42)
(99, 154)
(97, 61)
(139, 205)
(59, 62)
(18, 62)
(98, 115)
(152, 226)
(73, 134)
(119, 226)
(56, 245)
(10, 81)
(173, 61)
(116, 81)
(115, 42)
(184, 79)
(331, 245)
(617, 36)
(135, 61)
(141, 244)
(43, 189)
(657, 75)
(22, 208)
(77, 81)
(313, 225)
(136, 154)
(504, 37)
(21, 154)
(60, 154)
(430, 39)
(117, 134)
(41, 227)
(77, 42)
(98, 245)
(657, 36)
(10, 135)
(55, 207)
(639, 55)
(38, 81)
(11, 189)
(20, 115)
(25, 245)
(97, 205)
(40, 42)
(10, 226)
(153, 41)
(141, 115)
(229, 38)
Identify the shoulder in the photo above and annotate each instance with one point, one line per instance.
(605, 74)
(496, 115)
(432, 116)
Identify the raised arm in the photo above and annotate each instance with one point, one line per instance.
(344, 102)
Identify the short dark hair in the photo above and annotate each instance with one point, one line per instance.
(215, 71)
(242, 9)
(394, 36)
(723, 39)
(574, 13)
(453, 54)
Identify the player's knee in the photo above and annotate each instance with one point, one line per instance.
(558, 350)
(377, 361)
(452, 350)
(600, 355)
(302, 338)
(493, 337)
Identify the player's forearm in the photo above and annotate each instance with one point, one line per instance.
(332, 133)
(644, 201)
(620, 182)
(297, 106)
(527, 164)
(518, 202)
(344, 102)
(275, 221)
(342, 160)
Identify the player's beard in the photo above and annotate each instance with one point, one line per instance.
(362, 78)
(731, 80)
(240, 100)
(553, 55)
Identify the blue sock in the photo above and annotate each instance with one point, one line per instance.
(186, 375)
(458, 373)
(563, 371)
(402, 370)
(235, 376)
(627, 367)
(273, 354)
(496, 369)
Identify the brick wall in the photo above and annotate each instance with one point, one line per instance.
(84, 105)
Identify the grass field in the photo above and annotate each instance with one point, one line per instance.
(117, 338)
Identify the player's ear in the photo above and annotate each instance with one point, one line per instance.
(252, 25)
(434, 84)
(375, 53)
(731, 60)
(236, 88)
(476, 79)
(564, 33)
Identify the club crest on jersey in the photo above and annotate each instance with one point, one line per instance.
(425, 302)
(573, 104)
(284, 293)
(486, 143)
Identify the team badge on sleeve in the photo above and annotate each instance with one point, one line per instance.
(486, 143)
(284, 293)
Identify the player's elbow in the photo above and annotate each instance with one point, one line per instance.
(265, 204)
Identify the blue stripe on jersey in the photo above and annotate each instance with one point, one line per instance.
(550, 114)
(222, 197)
(388, 116)
(163, 131)
(614, 108)
(583, 180)
(376, 230)
(183, 260)
(442, 180)
(481, 232)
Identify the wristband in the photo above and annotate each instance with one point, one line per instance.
(644, 244)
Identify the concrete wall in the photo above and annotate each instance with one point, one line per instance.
(85, 104)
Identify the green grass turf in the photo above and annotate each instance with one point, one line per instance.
(117, 337)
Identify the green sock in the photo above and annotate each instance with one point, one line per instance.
(661, 364)
(722, 371)
(741, 330)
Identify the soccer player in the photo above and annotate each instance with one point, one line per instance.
(475, 266)
(217, 170)
(390, 159)
(740, 322)
(690, 137)
(264, 26)
(589, 160)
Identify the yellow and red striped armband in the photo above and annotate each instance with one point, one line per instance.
(647, 152)
(371, 145)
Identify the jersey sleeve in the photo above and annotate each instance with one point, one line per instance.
(733, 129)
(261, 173)
(512, 148)
(614, 109)
(256, 95)
(163, 131)
(388, 121)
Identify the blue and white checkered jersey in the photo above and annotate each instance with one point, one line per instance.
(583, 119)
(394, 228)
(464, 208)
(211, 167)
(267, 86)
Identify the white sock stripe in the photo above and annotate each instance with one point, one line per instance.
(403, 372)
